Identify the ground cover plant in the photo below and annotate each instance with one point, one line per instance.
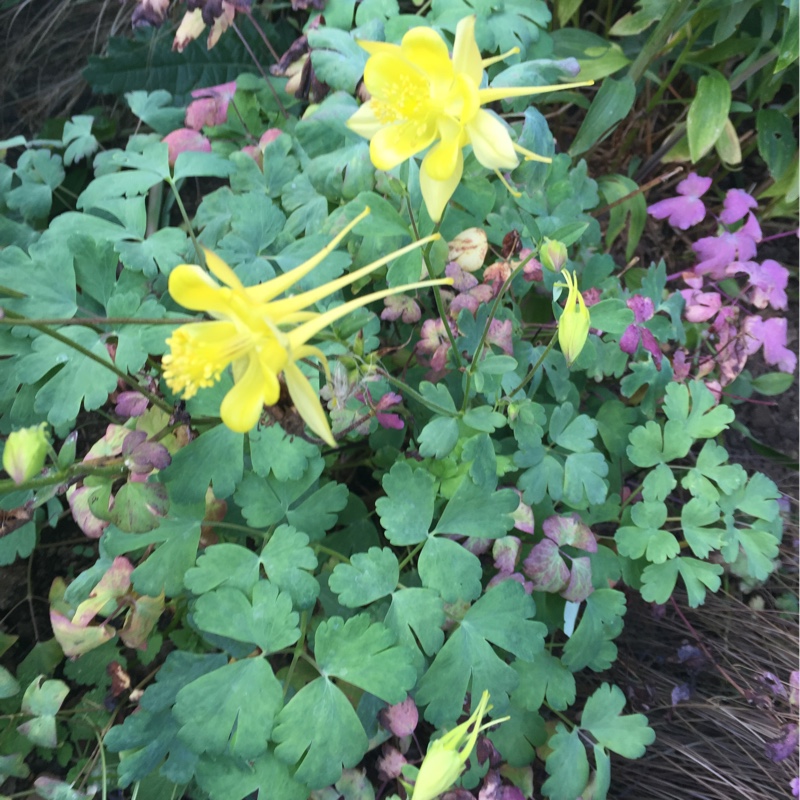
(342, 368)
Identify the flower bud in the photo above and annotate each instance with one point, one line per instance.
(553, 254)
(573, 327)
(25, 452)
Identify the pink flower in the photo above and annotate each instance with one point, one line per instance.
(771, 335)
(767, 280)
(532, 271)
(210, 106)
(496, 275)
(401, 306)
(736, 204)
(500, 334)
(392, 421)
(680, 366)
(463, 281)
(434, 344)
(686, 210)
(717, 252)
(636, 333)
(185, 140)
(700, 306)
(591, 297)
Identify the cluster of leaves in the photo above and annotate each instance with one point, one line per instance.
(277, 599)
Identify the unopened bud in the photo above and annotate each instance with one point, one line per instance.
(553, 254)
(25, 452)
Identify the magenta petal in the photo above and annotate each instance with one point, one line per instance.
(773, 336)
(693, 185)
(683, 212)
(651, 345)
(630, 339)
(642, 307)
(736, 204)
(185, 140)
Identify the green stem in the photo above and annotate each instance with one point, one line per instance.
(123, 376)
(332, 553)
(527, 379)
(98, 321)
(436, 293)
(667, 82)
(408, 391)
(411, 555)
(79, 470)
(298, 650)
(186, 221)
(481, 343)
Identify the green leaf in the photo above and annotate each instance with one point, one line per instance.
(154, 109)
(567, 765)
(19, 543)
(224, 778)
(223, 565)
(438, 438)
(658, 580)
(611, 104)
(286, 457)
(364, 654)
(502, 617)
(611, 315)
(337, 58)
(268, 623)
(615, 422)
(646, 537)
(484, 419)
(39, 172)
(406, 512)
(591, 643)
(78, 139)
(712, 465)
(627, 735)
(614, 189)
(483, 470)
(368, 577)
(572, 432)
(772, 383)
(777, 143)
(517, 738)
(242, 698)
(75, 379)
(659, 484)
(416, 616)
(706, 419)
(649, 445)
(8, 684)
(545, 677)
(215, 457)
(319, 731)
(150, 735)
(696, 516)
(450, 569)
(44, 697)
(708, 113)
(474, 511)
(289, 562)
(584, 483)
(190, 164)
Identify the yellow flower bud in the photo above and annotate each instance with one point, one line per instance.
(553, 254)
(444, 762)
(573, 327)
(25, 452)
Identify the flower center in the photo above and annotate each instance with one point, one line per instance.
(197, 357)
(406, 98)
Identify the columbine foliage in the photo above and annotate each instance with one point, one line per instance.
(498, 470)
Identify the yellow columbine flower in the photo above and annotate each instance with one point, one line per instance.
(422, 97)
(573, 326)
(258, 335)
(446, 757)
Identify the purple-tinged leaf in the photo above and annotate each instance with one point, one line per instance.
(580, 580)
(570, 530)
(545, 567)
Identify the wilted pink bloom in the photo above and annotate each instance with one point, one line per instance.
(768, 281)
(434, 344)
(686, 210)
(636, 333)
(716, 389)
(591, 297)
(512, 576)
(785, 746)
(401, 306)
(390, 764)
(700, 306)
(131, 404)
(463, 281)
(717, 252)
(736, 204)
(532, 271)
(210, 106)
(401, 719)
(389, 420)
(500, 335)
(185, 140)
(771, 335)
(495, 275)
(680, 366)
(149, 13)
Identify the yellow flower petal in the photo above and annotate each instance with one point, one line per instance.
(195, 289)
(221, 270)
(393, 145)
(466, 55)
(242, 407)
(442, 160)
(307, 403)
(436, 194)
(426, 50)
(491, 142)
(364, 122)
(573, 326)
(493, 94)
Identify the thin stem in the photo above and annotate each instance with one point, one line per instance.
(79, 470)
(264, 75)
(407, 390)
(436, 293)
(98, 321)
(298, 651)
(29, 597)
(186, 221)
(529, 377)
(123, 376)
(664, 29)
(411, 555)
